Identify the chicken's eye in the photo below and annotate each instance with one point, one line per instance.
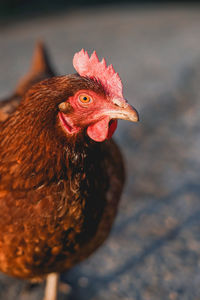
(85, 98)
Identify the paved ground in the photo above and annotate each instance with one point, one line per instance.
(153, 252)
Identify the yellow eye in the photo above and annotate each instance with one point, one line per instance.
(85, 99)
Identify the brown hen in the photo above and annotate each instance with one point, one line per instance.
(61, 176)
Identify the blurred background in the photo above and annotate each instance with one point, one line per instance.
(153, 251)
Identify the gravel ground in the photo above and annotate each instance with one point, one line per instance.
(154, 248)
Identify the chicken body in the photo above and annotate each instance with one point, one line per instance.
(58, 194)
(59, 222)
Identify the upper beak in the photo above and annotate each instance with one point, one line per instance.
(127, 112)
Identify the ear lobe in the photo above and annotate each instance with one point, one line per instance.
(65, 107)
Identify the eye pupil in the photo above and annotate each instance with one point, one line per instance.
(85, 99)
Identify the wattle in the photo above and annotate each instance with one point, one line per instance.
(112, 128)
(102, 130)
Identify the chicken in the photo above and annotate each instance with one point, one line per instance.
(61, 174)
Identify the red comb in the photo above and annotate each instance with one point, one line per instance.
(93, 68)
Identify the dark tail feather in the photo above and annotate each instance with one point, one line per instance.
(40, 69)
(40, 60)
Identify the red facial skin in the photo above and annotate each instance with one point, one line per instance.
(94, 116)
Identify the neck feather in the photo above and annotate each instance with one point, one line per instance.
(36, 153)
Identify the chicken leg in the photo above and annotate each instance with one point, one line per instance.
(51, 288)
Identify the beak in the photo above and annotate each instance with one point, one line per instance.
(127, 112)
